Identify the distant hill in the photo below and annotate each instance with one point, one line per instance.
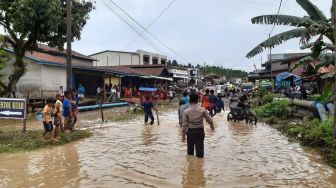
(229, 73)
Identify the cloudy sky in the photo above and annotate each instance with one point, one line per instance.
(218, 32)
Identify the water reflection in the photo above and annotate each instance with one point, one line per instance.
(147, 135)
(44, 168)
(194, 173)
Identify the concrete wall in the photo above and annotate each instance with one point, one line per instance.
(109, 58)
(277, 66)
(41, 77)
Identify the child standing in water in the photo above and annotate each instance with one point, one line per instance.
(47, 119)
(148, 106)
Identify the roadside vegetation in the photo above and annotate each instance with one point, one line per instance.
(13, 140)
(311, 133)
(316, 134)
(276, 108)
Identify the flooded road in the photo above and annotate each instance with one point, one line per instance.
(131, 154)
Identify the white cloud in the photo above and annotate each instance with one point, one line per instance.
(216, 31)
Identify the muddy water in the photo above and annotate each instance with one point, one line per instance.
(131, 154)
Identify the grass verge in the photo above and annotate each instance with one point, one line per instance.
(310, 133)
(15, 141)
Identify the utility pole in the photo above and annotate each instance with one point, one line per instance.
(68, 52)
(270, 56)
(204, 71)
(270, 60)
(334, 21)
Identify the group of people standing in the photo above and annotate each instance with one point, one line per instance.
(60, 114)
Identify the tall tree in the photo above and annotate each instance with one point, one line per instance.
(174, 63)
(4, 57)
(27, 22)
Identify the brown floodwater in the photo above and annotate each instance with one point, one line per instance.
(131, 154)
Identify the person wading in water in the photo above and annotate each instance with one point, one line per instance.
(193, 126)
(148, 106)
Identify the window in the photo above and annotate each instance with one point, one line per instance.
(155, 61)
(146, 60)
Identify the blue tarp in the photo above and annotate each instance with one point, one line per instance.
(286, 76)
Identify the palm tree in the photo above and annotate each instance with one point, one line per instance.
(316, 24)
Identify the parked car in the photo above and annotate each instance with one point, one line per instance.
(220, 89)
(247, 87)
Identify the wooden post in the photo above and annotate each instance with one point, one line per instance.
(24, 126)
(68, 50)
(101, 109)
(25, 119)
(27, 101)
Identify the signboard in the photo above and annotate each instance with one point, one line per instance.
(12, 108)
(148, 89)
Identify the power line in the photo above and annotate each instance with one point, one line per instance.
(276, 18)
(131, 26)
(284, 6)
(154, 20)
(150, 33)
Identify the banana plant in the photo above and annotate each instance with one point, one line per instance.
(306, 28)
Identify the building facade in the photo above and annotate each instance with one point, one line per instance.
(119, 58)
(179, 74)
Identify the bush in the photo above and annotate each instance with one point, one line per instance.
(267, 97)
(277, 108)
(318, 134)
(315, 133)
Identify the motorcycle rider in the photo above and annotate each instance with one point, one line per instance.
(242, 103)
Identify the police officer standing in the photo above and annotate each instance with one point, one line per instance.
(193, 126)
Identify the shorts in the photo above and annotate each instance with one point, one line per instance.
(58, 121)
(48, 126)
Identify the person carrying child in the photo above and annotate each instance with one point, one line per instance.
(148, 106)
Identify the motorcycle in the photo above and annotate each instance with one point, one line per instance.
(242, 113)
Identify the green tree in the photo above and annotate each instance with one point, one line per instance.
(174, 63)
(27, 22)
(4, 57)
(306, 28)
